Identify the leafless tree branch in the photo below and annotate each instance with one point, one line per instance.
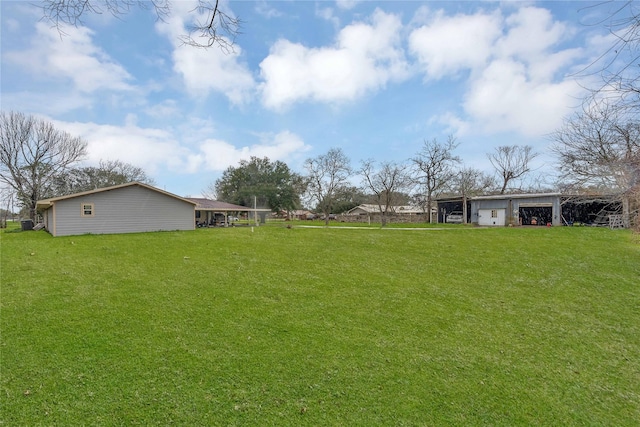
(434, 168)
(511, 162)
(32, 152)
(216, 27)
(386, 182)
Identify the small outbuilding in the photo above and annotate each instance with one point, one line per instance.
(517, 209)
(128, 208)
(539, 209)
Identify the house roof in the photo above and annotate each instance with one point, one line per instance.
(46, 203)
(373, 209)
(214, 205)
(299, 212)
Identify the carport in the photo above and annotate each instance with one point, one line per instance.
(446, 205)
(212, 213)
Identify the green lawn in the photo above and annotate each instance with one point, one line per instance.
(319, 327)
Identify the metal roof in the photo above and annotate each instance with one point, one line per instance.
(46, 203)
(516, 196)
(500, 196)
(203, 204)
(373, 209)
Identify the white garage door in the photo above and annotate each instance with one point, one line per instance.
(492, 217)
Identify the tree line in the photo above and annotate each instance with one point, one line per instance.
(37, 161)
(332, 184)
(597, 151)
(598, 147)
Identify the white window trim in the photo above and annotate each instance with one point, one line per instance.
(83, 210)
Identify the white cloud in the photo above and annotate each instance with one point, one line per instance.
(159, 150)
(264, 9)
(217, 155)
(12, 25)
(531, 33)
(516, 81)
(365, 57)
(448, 45)
(327, 14)
(212, 70)
(72, 57)
(347, 4)
(205, 70)
(504, 98)
(166, 109)
(40, 101)
(151, 149)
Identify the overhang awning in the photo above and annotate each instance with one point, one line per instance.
(214, 205)
(207, 205)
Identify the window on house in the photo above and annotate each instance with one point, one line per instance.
(494, 213)
(87, 209)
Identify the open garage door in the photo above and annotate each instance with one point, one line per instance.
(536, 214)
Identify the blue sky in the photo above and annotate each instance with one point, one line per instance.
(373, 78)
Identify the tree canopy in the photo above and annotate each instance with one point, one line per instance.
(263, 182)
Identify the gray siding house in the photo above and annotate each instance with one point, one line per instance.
(129, 208)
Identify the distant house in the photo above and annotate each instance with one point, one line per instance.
(301, 214)
(129, 208)
(371, 209)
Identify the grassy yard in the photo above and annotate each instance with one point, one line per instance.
(320, 327)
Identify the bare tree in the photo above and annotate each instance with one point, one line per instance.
(108, 173)
(435, 164)
(469, 182)
(210, 191)
(32, 152)
(618, 65)
(212, 25)
(597, 147)
(386, 182)
(328, 174)
(6, 205)
(511, 162)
